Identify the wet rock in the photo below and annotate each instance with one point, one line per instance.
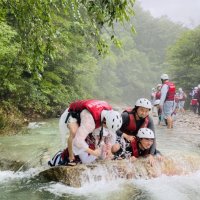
(111, 170)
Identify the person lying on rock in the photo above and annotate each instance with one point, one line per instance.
(139, 146)
(132, 120)
(82, 118)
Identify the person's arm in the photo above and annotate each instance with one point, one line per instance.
(87, 158)
(125, 121)
(164, 91)
(152, 127)
(87, 126)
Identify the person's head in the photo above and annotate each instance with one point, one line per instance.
(112, 119)
(164, 77)
(153, 89)
(142, 107)
(180, 90)
(146, 137)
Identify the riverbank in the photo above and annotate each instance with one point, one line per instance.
(187, 119)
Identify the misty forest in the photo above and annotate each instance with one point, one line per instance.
(54, 52)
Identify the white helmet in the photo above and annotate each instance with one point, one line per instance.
(164, 77)
(113, 119)
(157, 102)
(145, 133)
(142, 102)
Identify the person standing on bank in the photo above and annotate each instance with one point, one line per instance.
(132, 120)
(167, 99)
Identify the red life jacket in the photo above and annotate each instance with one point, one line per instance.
(158, 95)
(131, 128)
(194, 102)
(171, 91)
(95, 107)
(134, 148)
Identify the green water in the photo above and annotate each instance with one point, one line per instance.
(35, 146)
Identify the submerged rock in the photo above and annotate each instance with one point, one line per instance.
(12, 165)
(111, 170)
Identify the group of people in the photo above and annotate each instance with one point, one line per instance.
(96, 131)
(195, 99)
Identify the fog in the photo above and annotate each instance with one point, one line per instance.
(185, 12)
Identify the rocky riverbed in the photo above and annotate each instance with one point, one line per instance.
(187, 119)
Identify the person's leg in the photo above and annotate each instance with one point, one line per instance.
(168, 109)
(72, 126)
(169, 122)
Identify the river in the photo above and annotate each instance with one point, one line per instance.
(34, 146)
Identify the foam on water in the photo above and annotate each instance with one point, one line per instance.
(6, 176)
(100, 189)
(172, 187)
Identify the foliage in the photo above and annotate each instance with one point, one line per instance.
(49, 53)
(130, 72)
(184, 59)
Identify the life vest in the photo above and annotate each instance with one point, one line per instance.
(171, 91)
(194, 102)
(131, 128)
(135, 149)
(95, 107)
(158, 95)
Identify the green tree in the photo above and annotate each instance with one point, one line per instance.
(184, 59)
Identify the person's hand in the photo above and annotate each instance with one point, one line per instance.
(129, 138)
(159, 157)
(97, 152)
(151, 160)
(133, 158)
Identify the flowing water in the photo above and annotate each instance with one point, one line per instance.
(36, 144)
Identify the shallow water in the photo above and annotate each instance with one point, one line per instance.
(36, 145)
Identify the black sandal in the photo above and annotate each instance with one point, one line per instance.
(72, 163)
